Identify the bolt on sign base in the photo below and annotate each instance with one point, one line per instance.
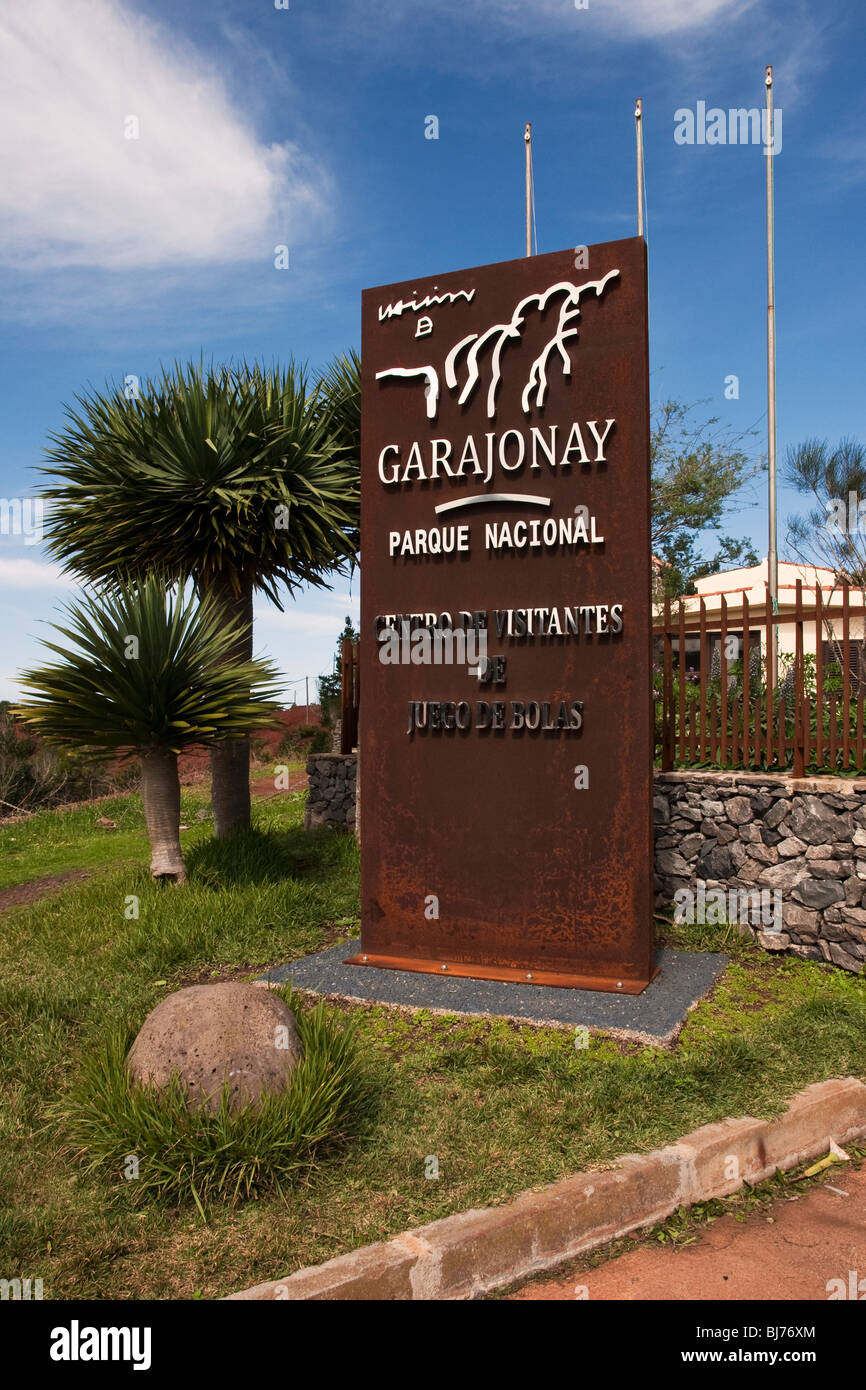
(502, 972)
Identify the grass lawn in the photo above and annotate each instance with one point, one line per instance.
(502, 1106)
(57, 842)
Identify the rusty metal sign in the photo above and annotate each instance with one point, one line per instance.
(506, 733)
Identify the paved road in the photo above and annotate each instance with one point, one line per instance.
(812, 1240)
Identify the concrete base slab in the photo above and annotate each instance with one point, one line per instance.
(655, 1016)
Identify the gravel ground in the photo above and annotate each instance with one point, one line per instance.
(654, 1016)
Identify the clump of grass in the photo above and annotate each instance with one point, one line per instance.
(187, 1154)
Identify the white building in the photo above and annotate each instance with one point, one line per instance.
(730, 585)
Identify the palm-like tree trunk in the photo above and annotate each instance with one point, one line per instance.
(230, 759)
(160, 792)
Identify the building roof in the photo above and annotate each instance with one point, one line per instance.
(754, 579)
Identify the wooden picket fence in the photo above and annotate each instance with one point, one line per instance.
(350, 693)
(728, 721)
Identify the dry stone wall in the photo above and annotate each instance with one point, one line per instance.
(332, 795)
(794, 845)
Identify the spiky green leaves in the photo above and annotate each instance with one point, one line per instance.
(340, 394)
(140, 669)
(245, 474)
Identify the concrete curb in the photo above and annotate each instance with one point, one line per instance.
(463, 1256)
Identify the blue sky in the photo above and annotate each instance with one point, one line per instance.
(305, 126)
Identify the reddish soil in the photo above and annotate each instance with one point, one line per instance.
(22, 894)
(264, 787)
(194, 764)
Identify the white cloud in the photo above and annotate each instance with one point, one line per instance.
(628, 19)
(196, 187)
(650, 18)
(344, 600)
(293, 620)
(21, 573)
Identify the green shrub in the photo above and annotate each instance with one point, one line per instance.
(33, 775)
(297, 742)
(200, 1155)
(127, 777)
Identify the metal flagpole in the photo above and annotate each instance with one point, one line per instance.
(638, 125)
(527, 136)
(772, 555)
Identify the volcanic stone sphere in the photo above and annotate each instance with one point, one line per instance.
(211, 1034)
